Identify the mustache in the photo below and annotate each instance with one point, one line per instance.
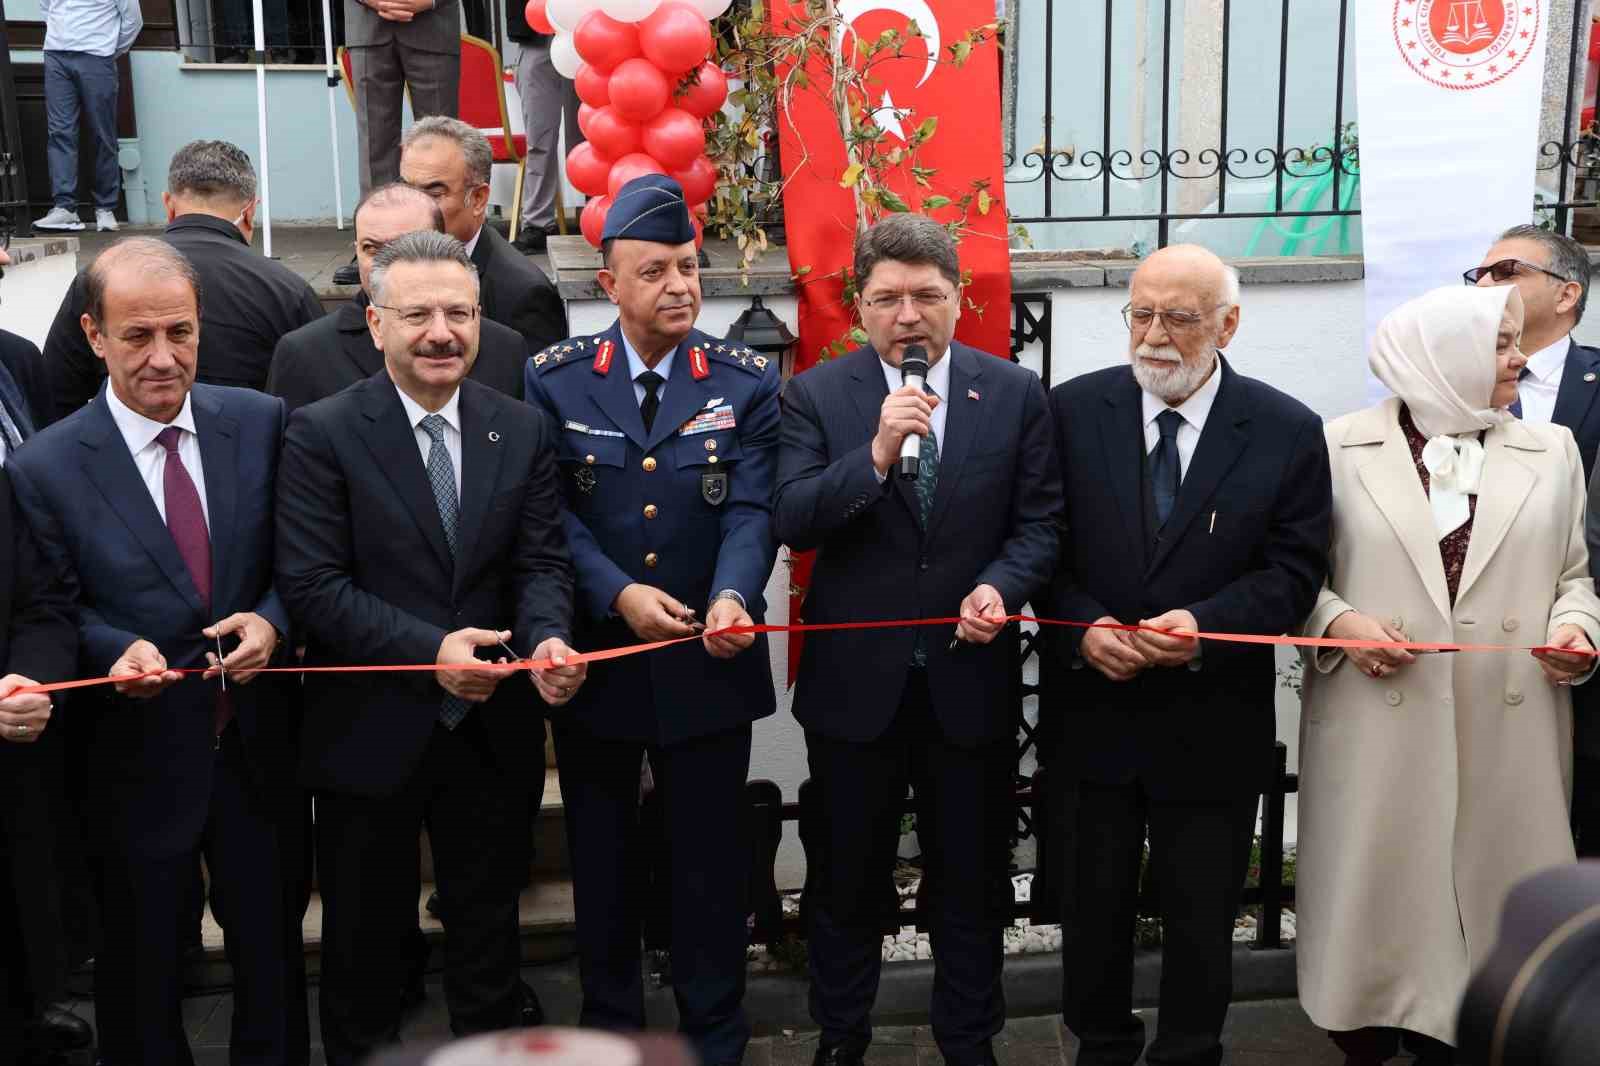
(436, 351)
(1166, 353)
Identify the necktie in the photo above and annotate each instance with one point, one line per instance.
(927, 476)
(1166, 473)
(1516, 405)
(652, 403)
(442, 476)
(186, 521)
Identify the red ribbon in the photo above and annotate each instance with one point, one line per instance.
(825, 627)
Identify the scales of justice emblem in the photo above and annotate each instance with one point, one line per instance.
(1465, 44)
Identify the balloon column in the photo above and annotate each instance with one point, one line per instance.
(647, 87)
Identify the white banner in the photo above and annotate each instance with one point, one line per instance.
(1449, 97)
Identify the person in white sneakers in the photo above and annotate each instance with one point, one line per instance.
(82, 40)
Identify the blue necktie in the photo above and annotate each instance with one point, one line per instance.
(1166, 473)
(442, 476)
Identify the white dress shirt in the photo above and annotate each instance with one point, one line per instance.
(938, 383)
(150, 458)
(636, 367)
(474, 243)
(98, 27)
(1194, 411)
(1539, 389)
(451, 413)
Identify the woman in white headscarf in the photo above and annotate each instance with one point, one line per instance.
(1431, 783)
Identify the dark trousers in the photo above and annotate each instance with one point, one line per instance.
(251, 846)
(1199, 854)
(79, 83)
(963, 826)
(1374, 1045)
(1586, 804)
(700, 784)
(477, 819)
(381, 73)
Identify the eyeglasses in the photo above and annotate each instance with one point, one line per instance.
(891, 301)
(1138, 319)
(418, 317)
(1505, 270)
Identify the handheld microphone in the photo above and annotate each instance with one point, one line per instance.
(914, 372)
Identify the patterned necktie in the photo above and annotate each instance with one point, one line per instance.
(1166, 473)
(1516, 405)
(186, 521)
(442, 476)
(652, 403)
(927, 474)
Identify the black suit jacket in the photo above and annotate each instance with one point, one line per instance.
(515, 292)
(247, 302)
(1575, 402)
(364, 567)
(336, 351)
(91, 513)
(1244, 550)
(994, 521)
(26, 366)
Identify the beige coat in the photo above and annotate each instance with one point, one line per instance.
(1425, 795)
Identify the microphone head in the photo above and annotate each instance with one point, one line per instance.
(914, 362)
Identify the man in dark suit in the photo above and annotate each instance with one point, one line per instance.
(549, 106)
(668, 447)
(1196, 500)
(336, 351)
(419, 522)
(974, 535)
(396, 45)
(250, 301)
(1559, 384)
(156, 500)
(450, 161)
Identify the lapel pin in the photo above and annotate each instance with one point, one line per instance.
(494, 438)
(1589, 376)
(972, 394)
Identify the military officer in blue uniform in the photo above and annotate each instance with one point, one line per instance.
(668, 451)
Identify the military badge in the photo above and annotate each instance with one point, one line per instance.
(714, 487)
(584, 477)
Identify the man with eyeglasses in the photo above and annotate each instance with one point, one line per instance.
(1197, 500)
(249, 301)
(973, 534)
(419, 522)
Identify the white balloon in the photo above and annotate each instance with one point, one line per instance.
(629, 10)
(564, 56)
(711, 8)
(565, 15)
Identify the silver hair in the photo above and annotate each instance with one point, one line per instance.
(209, 169)
(1230, 286)
(473, 144)
(1566, 257)
(155, 257)
(907, 238)
(420, 246)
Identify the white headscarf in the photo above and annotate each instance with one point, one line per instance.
(1437, 353)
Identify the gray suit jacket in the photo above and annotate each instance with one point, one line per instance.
(438, 30)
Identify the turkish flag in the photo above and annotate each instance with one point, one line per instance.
(937, 101)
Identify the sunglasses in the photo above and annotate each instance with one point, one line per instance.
(1505, 270)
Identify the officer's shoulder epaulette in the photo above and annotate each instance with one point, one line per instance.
(564, 353)
(740, 355)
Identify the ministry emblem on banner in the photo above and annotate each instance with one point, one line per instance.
(1465, 44)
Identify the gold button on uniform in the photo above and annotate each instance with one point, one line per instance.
(589, 459)
(649, 463)
(711, 459)
(650, 560)
(649, 510)
(711, 445)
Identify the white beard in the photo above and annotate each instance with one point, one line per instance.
(1173, 380)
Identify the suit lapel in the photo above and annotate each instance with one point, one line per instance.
(684, 396)
(868, 391)
(482, 256)
(1578, 387)
(1221, 443)
(960, 427)
(219, 459)
(393, 444)
(1391, 480)
(1122, 441)
(357, 343)
(110, 468)
(1512, 480)
(480, 469)
(615, 394)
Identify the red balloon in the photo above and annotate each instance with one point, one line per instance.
(638, 90)
(592, 221)
(588, 169)
(592, 86)
(585, 113)
(699, 180)
(538, 21)
(629, 167)
(674, 138)
(613, 135)
(699, 231)
(676, 37)
(704, 95)
(603, 42)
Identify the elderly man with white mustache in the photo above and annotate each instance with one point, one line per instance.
(1197, 500)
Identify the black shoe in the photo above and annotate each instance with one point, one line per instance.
(57, 1030)
(532, 1009)
(349, 274)
(433, 905)
(531, 240)
(835, 1056)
